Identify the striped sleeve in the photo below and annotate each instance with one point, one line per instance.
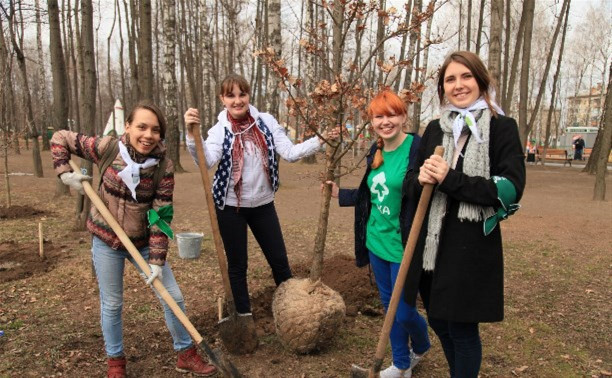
(64, 143)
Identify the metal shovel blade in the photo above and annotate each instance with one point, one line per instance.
(216, 357)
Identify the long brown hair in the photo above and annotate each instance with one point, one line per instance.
(153, 108)
(478, 69)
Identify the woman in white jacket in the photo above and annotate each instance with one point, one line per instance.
(245, 143)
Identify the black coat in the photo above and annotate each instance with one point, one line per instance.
(360, 198)
(467, 284)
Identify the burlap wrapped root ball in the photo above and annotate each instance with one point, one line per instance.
(307, 314)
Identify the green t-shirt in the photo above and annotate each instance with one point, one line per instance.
(384, 236)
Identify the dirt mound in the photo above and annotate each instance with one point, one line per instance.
(339, 272)
(18, 211)
(21, 260)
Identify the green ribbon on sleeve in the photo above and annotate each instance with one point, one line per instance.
(162, 219)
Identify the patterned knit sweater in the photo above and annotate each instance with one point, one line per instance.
(130, 214)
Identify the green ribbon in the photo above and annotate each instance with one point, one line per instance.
(162, 219)
(506, 194)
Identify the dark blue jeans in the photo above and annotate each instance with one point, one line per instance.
(409, 326)
(462, 346)
(263, 222)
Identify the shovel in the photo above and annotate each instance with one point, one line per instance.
(215, 356)
(415, 230)
(238, 333)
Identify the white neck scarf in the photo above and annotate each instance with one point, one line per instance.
(465, 116)
(130, 175)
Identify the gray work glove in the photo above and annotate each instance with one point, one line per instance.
(156, 271)
(73, 180)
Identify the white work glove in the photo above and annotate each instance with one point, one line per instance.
(73, 180)
(156, 271)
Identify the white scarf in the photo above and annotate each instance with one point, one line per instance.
(466, 116)
(130, 175)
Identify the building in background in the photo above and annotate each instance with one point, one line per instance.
(584, 110)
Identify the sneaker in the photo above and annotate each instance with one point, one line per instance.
(394, 372)
(415, 358)
(116, 367)
(190, 362)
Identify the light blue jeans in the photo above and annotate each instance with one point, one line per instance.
(109, 265)
(409, 326)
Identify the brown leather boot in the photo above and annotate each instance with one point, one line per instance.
(190, 362)
(116, 367)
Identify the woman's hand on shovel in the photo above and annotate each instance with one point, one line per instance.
(192, 119)
(156, 271)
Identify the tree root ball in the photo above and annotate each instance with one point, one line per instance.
(307, 314)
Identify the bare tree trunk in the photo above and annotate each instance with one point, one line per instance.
(330, 164)
(170, 84)
(88, 91)
(121, 67)
(5, 123)
(133, 37)
(274, 39)
(29, 114)
(524, 132)
(479, 32)
(468, 33)
(497, 22)
(599, 191)
(508, 95)
(42, 87)
(145, 51)
(398, 79)
(414, 35)
(416, 121)
(508, 36)
(60, 80)
(108, 61)
(528, 10)
(76, 67)
(380, 34)
(551, 109)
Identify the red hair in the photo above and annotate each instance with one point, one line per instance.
(386, 102)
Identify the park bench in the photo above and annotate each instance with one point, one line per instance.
(586, 153)
(556, 154)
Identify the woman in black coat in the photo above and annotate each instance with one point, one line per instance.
(458, 264)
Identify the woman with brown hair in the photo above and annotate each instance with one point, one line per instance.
(137, 179)
(458, 264)
(245, 144)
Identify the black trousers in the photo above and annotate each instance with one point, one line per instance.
(460, 341)
(264, 224)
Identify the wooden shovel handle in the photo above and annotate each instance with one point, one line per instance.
(212, 212)
(398, 288)
(140, 261)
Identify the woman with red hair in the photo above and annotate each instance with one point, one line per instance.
(383, 217)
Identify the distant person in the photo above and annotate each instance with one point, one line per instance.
(383, 217)
(531, 153)
(458, 261)
(128, 189)
(246, 144)
(578, 147)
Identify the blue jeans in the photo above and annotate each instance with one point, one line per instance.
(109, 265)
(409, 325)
(462, 346)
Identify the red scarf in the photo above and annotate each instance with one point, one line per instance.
(244, 131)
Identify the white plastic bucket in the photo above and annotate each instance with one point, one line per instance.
(189, 244)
